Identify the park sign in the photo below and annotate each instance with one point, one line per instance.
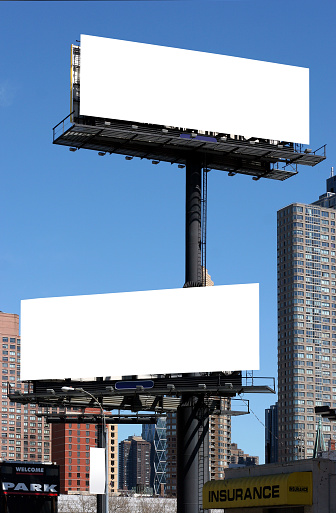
(23, 478)
(173, 87)
(141, 333)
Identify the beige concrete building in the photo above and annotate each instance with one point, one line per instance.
(305, 486)
(220, 441)
(24, 435)
(113, 457)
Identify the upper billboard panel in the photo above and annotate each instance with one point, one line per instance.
(141, 333)
(187, 89)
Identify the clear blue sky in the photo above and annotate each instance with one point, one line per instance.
(76, 223)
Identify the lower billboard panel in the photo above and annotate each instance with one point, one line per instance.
(203, 329)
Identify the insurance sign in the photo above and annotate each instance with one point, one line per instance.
(291, 489)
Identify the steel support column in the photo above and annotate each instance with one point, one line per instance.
(193, 254)
(102, 504)
(192, 422)
(192, 427)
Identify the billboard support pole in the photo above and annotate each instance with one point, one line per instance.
(102, 499)
(193, 254)
(192, 419)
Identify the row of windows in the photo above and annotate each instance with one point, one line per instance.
(11, 340)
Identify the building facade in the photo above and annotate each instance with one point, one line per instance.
(220, 441)
(271, 434)
(306, 322)
(71, 451)
(24, 435)
(123, 467)
(304, 486)
(156, 435)
(171, 455)
(238, 457)
(134, 464)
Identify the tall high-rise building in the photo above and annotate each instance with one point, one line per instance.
(306, 322)
(171, 455)
(271, 434)
(220, 440)
(124, 469)
(134, 464)
(156, 435)
(24, 435)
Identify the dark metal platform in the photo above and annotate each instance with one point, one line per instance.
(257, 158)
(164, 396)
(326, 412)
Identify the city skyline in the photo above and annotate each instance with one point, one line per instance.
(78, 223)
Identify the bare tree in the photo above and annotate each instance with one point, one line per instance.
(120, 504)
(117, 504)
(77, 504)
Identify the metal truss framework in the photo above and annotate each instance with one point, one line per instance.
(326, 412)
(258, 158)
(164, 396)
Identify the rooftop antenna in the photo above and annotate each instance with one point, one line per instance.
(320, 445)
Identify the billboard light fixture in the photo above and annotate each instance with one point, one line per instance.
(72, 149)
(231, 173)
(255, 178)
(308, 150)
(155, 161)
(68, 389)
(135, 127)
(101, 153)
(181, 166)
(128, 157)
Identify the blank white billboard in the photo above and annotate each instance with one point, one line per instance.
(201, 329)
(203, 91)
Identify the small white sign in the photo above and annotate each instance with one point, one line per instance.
(97, 470)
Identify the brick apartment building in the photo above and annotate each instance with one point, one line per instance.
(24, 435)
(71, 450)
